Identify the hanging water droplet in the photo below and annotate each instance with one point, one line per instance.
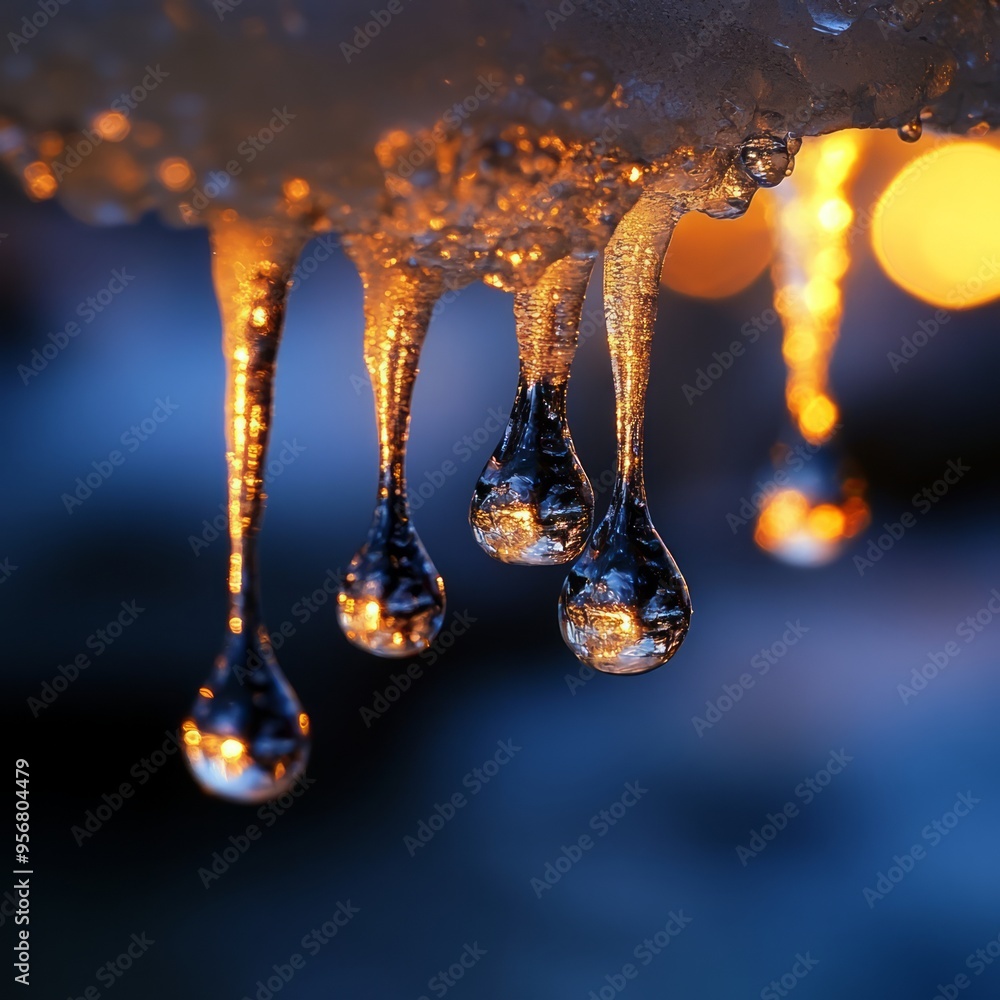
(624, 607)
(247, 738)
(767, 159)
(910, 131)
(533, 504)
(392, 600)
(813, 503)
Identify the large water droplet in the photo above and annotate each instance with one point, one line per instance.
(910, 131)
(625, 607)
(392, 600)
(767, 159)
(247, 738)
(533, 504)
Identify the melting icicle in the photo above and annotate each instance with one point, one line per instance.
(392, 600)
(818, 507)
(624, 607)
(533, 504)
(247, 737)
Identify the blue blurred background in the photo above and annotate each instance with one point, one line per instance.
(796, 909)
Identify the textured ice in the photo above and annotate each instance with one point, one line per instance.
(463, 126)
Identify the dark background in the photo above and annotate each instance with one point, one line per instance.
(506, 678)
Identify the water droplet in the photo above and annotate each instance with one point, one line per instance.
(247, 738)
(813, 503)
(533, 504)
(392, 600)
(766, 158)
(910, 131)
(624, 607)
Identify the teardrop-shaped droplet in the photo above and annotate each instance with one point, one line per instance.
(625, 607)
(813, 503)
(392, 600)
(910, 131)
(766, 158)
(533, 504)
(247, 738)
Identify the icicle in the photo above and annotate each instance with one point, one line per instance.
(247, 737)
(533, 504)
(624, 607)
(392, 600)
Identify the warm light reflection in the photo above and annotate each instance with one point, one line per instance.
(112, 126)
(232, 749)
(936, 228)
(799, 531)
(811, 217)
(175, 173)
(296, 189)
(712, 258)
(39, 180)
